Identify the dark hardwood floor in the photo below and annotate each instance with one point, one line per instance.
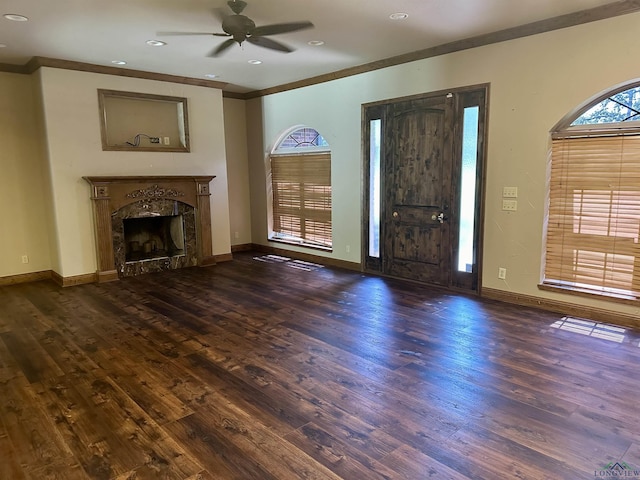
(257, 370)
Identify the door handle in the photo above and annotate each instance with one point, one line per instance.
(395, 214)
(441, 218)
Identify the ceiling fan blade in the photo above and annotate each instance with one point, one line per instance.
(169, 34)
(281, 28)
(268, 43)
(222, 47)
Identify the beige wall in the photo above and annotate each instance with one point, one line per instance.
(71, 122)
(235, 133)
(534, 81)
(22, 180)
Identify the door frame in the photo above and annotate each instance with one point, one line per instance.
(463, 97)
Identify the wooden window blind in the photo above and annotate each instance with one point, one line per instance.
(302, 197)
(593, 224)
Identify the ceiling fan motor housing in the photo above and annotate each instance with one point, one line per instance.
(238, 26)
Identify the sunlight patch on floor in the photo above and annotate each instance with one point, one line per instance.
(272, 259)
(301, 265)
(591, 329)
(297, 264)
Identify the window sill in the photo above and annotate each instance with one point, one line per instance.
(609, 297)
(301, 244)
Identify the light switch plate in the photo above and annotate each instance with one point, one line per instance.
(510, 205)
(510, 192)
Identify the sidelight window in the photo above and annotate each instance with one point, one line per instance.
(374, 187)
(468, 193)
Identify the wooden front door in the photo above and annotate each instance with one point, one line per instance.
(418, 189)
(417, 214)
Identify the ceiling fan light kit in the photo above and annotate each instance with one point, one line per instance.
(240, 28)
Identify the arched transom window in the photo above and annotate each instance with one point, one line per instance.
(302, 138)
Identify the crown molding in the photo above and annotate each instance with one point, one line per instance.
(603, 12)
(10, 68)
(236, 95)
(38, 62)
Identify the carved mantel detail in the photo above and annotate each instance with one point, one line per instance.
(155, 192)
(109, 194)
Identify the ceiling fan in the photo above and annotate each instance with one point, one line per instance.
(240, 28)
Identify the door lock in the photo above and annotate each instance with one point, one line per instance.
(441, 218)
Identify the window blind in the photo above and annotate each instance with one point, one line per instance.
(302, 197)
(593, 224)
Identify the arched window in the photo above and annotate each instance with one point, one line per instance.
(301, 189)
(302, 138)
(593, 223)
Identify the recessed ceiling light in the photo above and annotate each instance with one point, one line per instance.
(211, 75)
(15, 18)
(255, 62)
(156, 43)
(118, 62)
(316, 43)
(399, 16)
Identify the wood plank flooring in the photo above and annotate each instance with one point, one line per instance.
(257, 370)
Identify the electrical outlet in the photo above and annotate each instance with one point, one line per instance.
(154, 139)
(348, 248)
(510, 205)
(502, 273)
(166, 141)
(510, 192)
(25, 259)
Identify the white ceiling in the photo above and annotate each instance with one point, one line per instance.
(355, 32)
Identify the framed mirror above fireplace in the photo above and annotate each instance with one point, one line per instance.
(131, 121)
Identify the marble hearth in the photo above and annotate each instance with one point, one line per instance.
(148, 224)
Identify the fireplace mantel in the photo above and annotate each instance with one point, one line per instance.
(111, 193)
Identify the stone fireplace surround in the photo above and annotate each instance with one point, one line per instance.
(118, 197)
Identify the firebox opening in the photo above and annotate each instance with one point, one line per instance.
(148, 238)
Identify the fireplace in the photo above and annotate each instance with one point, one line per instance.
(149, 224)
(154, 234)
(149, 238)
